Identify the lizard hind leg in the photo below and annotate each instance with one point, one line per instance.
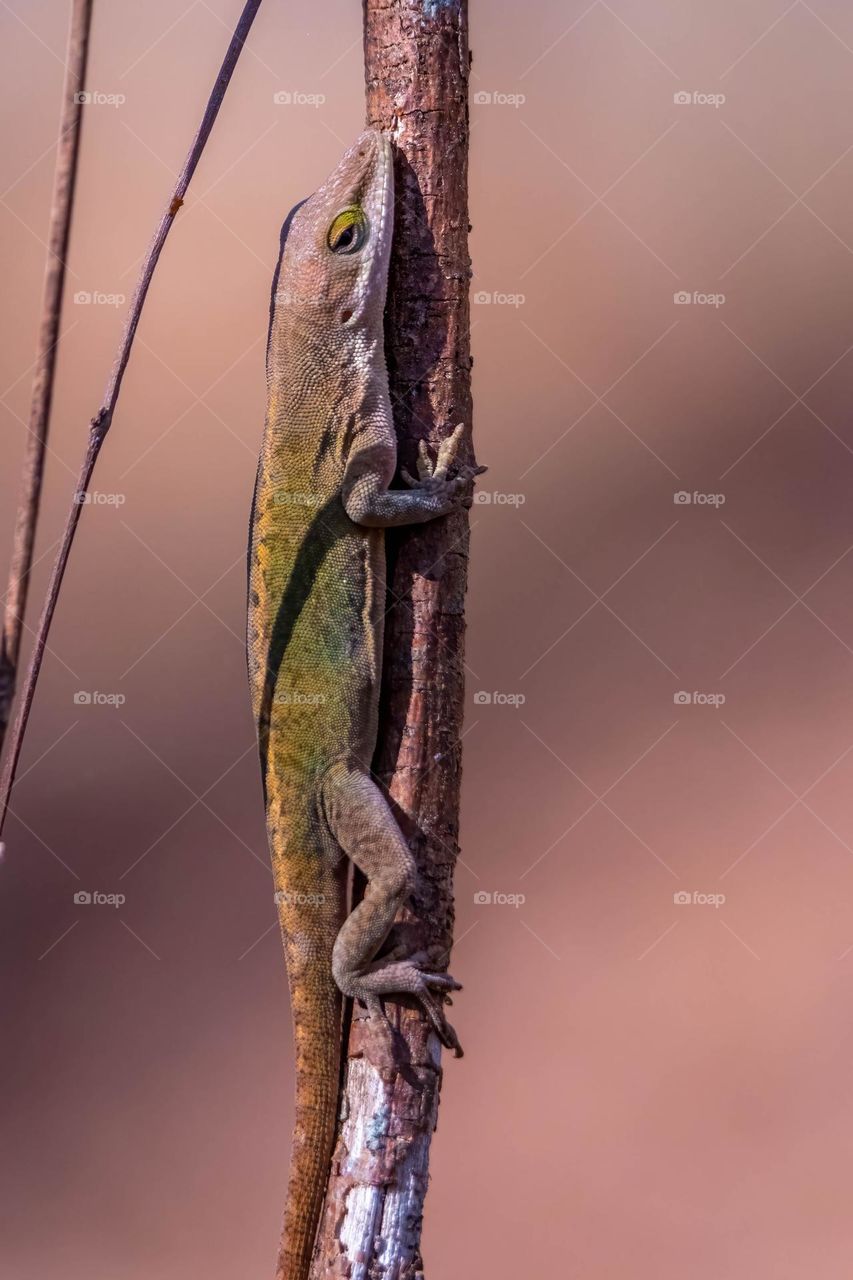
(361, 821)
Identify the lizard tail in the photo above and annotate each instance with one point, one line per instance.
(309, 924)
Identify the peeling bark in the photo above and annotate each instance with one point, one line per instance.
(416, 70)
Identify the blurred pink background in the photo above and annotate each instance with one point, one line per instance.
(653, 1088)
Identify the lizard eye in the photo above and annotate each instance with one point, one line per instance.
(348, 231)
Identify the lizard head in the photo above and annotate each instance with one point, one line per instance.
(334, 265)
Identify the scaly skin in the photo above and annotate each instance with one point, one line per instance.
(316, 604)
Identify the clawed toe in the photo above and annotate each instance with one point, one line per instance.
(442, 1027)
(434, 1006)
(442, 981)
(406, 977)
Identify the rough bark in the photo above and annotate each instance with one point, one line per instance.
(59, 233)
(416, 68)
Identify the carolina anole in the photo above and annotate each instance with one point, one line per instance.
(316, 606)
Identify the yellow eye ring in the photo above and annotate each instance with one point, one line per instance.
(348, 231)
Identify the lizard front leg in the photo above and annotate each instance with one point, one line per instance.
(361, 821)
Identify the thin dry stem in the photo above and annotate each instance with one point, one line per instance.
(102, 420)
(59, 232)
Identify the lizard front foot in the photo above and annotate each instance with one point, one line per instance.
(432, 476)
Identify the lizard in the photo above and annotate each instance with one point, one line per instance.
(317, 598)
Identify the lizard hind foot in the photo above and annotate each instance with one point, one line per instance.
(405, 977)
